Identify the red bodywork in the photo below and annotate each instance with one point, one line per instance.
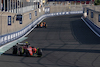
(30, 49)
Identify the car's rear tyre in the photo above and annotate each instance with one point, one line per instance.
(14, 49)
(27, 54)
(20, 51)
(39, 52)
(45, 26)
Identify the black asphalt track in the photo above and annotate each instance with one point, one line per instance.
(66, 42)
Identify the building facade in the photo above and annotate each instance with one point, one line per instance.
(72, 2)
(11, 5)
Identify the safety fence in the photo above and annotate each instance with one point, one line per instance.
(15, 35)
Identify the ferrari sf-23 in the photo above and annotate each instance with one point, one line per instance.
(25, 49)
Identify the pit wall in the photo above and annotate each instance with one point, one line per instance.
(16, 30)
(93, 18)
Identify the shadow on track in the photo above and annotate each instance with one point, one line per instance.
(83, 34)
(72, 50)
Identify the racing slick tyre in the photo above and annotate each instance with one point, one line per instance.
(15, 49)
(20, 51)
(27, 54)
(45, 26)
(39, 52)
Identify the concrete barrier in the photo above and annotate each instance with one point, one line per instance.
(92, 19)
(16, 30)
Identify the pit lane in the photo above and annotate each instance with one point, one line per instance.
(66, 42)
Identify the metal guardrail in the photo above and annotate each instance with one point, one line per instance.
(15, 35)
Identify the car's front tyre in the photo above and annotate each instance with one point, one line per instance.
(14, 49)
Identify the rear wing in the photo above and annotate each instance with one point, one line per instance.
(22, 44)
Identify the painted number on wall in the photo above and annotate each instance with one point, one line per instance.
(30, 16)
(35, 13)
(9, 20)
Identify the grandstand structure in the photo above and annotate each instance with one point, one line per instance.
(19, 6)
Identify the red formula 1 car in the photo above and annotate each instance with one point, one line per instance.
(41, 25)
(24, 49)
